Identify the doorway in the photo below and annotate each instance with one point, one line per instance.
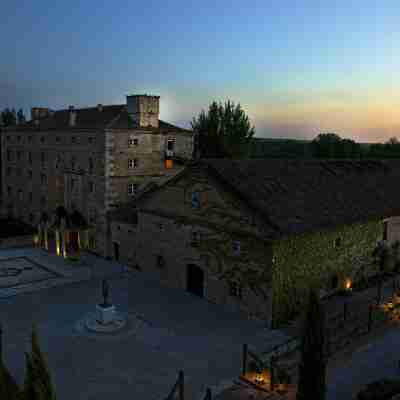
(73, 239)
(116, 251)
(195, 280)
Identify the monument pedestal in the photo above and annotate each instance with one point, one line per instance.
(105, 314)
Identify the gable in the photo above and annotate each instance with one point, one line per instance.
(217, 205)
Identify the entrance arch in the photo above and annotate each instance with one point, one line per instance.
(195, 280)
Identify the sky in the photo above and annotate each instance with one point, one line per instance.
(298, 68)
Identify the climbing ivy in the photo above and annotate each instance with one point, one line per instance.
(312, 259)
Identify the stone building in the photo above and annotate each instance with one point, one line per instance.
(67, 169)
(255, 234)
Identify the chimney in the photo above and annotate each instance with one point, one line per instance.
(99, 107)
(144, 110)
(72, 116)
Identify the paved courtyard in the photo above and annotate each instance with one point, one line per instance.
(172, 330)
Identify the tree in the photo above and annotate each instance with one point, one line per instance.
(8, 117)
(38, 384)
(8, 386)
(223, 132)
(312, 367)
(20, 116)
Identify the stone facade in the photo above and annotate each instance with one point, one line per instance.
(221, 239)
(160, 243)
(82, 164)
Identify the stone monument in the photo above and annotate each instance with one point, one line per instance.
(105, 310)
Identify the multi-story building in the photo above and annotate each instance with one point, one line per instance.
(87, 161)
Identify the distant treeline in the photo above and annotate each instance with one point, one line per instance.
(325, 145)
(9, 117)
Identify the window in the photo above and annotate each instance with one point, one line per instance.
(236, 247)
(337, 242)
(9, 190)
(91, 187)
(235, 289)
(19, 172)
(9, 155)
(92, 216)
(73, 162)
(29, 139)
(161, 227)
(170, 144)
(73, 139)
(160, 261)
(42, 157)
(30, 157)
(132, 189)
(8, 171)
(57, 139)
(43, 201)
(30, 174)
(334, 281)
(20, 194)
(30, 196)
(90, 140)
(133, 142)
(118, 227)
(30, 217)
(43, 179)
(195, 200)
(72, 185)
(133, 163)
(385, 230)
(19, 138)
(19, 154)
(8, 138)
(41, 139)
(91, 165)
(195, 239)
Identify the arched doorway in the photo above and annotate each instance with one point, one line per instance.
(195, 280)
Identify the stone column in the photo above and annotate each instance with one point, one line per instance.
(46, 241)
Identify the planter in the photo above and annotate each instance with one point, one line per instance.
(105, 314)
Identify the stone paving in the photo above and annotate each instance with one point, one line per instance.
(174, 330)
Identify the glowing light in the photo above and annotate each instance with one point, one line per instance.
(348, 284)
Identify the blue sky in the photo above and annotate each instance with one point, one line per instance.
(297, 67)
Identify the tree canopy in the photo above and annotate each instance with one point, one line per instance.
(223, 132)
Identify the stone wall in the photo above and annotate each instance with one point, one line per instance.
(315, 259)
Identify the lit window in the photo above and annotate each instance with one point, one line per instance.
(133, 142)
(195, 200)
(236, 247)
(235, 289)
(132, 189)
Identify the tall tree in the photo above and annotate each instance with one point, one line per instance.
(312, 367)
(38, 384)
(8, 117)
(224, 131)
(20, 116)
(8, 386)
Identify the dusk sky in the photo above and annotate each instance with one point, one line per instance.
(298, 68)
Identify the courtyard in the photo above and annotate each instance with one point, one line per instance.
(169, 330)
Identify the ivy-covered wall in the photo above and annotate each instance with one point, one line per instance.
(313, 259)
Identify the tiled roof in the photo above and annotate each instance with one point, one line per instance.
(300, 196)
(111, 117)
